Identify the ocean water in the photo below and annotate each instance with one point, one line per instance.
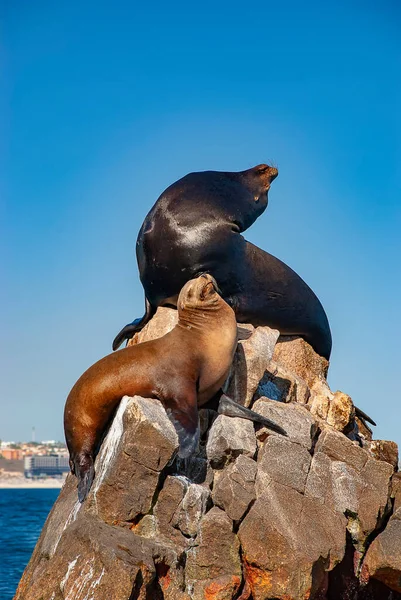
(22, 516)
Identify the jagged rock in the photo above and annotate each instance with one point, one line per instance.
(341, 411)
(235, 488)
(161, 323)
(192, 509)
(347, 480)
(282, 558)
(299, 357)
(385, 450)
(396, 491)
(296, 421)
(280, 384)
(229, 437)
(93, 559)
(250, 362)
(284, 462)
(167, 505)
(320, 398)
(383, 559)
(149, 441)
(157, 526)
(213, 568)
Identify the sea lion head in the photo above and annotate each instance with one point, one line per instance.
(199, 294)
(258, 180)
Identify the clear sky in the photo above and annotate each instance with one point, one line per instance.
(105, 104)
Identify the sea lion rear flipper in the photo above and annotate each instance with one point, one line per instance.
(186, 425)
(128, 331)
(230, 408)
(359, 413)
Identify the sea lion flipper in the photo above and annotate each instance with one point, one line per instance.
(128, 331)
(230, 408)
(85, 472)
(187, 428)
(359, 413)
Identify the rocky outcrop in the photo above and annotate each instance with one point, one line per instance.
(252, 516)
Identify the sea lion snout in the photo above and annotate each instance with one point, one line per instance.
(266, 173)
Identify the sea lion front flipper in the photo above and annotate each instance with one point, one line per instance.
(184, 417)
(230, 408)
(85, 471)
(359, 413)
(128, 331)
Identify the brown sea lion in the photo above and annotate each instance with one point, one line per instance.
(183, 369)
(195, 227)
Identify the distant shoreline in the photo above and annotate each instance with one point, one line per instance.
(21, 482)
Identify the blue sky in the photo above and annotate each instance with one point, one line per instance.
(105, 105)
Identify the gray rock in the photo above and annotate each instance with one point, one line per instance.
(284, 462)
(148, 442)
(250, 362)
(383, 559)
(347, 480)
(213, 568)
(281, 556)
(235, 487)
(295, 419)
(229, 437)
(192, 508)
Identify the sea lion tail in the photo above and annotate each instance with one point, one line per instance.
(85, 472)
(230, 408)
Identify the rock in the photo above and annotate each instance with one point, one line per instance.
(235, 488)
(320, 398)
(341, 411)
(383, 559)
(93, 559)
(192, 508)
(250, 362)
(149, 442)
(229, 437)
(396, 491)
(156, 526)
(298, 356)
(386, 451)
(281, 558)
(161, 323)
(168, 503)
(282, 385)
(348, 481)
(296, 420)
(284, 462)
(213, 568)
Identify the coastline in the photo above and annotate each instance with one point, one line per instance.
(21, 482)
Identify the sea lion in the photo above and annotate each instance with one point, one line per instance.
(194, 227)
(183, 369)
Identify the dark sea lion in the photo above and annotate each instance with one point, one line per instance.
(194, 227)
(184, 369)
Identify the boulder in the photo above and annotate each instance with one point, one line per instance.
(250, 362)
(253, 515)
(229, 437)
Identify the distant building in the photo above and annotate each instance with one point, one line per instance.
(53, 465)
(11, 454)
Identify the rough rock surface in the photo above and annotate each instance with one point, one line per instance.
(315, 515)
